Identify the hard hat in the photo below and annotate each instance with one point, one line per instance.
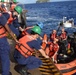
(40, 24)
(36, 29)
(14, 1)
(2, 0)
(18, 9)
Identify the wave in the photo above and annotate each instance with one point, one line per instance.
(32, 18)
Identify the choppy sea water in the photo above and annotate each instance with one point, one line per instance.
(51, 14)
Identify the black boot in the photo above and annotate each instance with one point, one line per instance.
(10, 73)
(21, 69)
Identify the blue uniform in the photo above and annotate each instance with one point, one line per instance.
(6, 15)
(29, 31)
(14, 30)
(4, 50)
(31, 62)
(15, 26)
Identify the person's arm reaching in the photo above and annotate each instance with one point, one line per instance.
(43, 53)
(10, 32)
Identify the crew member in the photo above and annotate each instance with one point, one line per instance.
(4, 45)
(28, 31)
(4, 11)
(52, 50)
(15, 26)
(24, 52)
(13, 4)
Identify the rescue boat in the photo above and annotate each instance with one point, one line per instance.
(68, 23)
(50, 68)
(67, 66)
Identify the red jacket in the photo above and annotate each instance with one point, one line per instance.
(63, 35)
(24, 49)
(53, 48)
(53, 36)
(2, 30)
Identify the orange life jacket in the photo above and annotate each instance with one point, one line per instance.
(53, 48)
(2, 30)
(53, 36)
(10, 20)
(24, 49)
(63, 35)
(44, 41)
(25, 31)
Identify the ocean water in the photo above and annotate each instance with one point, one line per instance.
(51, 14)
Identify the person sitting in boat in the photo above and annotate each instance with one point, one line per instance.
(53, 35)
(63, 35)
(23, 52)
(63, 38)
(65, 48)
(52, 49)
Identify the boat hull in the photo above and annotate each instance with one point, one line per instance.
(67, 25)
(68, 68)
